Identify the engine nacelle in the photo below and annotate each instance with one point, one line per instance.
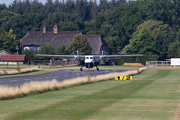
(74, 59)
(101, 57)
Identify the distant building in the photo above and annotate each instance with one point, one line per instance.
(5, 52)
(7, 57)
(33, 39)
(13, 58)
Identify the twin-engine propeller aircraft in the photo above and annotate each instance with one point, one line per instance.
(89, 60)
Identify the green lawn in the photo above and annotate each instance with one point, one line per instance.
(151, 95)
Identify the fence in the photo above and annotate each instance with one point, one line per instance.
(51, 62)
(158, 63)
(40, 63)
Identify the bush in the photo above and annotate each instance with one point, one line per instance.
(141, 59)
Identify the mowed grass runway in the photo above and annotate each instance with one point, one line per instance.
(151, 95)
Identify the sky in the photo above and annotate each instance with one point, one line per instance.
(8, 2)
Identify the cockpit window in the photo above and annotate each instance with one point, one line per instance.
(90, 57)
(87, 57)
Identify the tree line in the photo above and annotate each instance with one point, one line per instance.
(86, 10)
(151, 27)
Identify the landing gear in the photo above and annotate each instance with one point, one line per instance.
(89, 66)
(81, 69)
(97, 69)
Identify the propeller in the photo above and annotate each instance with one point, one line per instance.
(102, 56)
(76, 57)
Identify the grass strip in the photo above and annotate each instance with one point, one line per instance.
(82, 107)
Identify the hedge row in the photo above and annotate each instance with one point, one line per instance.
(141, 59)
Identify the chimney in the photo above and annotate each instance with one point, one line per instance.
(55, 29)
(44, 29)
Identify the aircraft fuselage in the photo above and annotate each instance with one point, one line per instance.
(89, 61)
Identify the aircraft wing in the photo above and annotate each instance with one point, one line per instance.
(70, 57)
(82, 57)
(120, 56)
(110, 57)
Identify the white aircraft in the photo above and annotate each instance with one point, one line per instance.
(89, 60)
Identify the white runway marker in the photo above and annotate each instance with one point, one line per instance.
(26, 79)
(13, 80)
(38, 78)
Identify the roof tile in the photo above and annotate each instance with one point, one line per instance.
(13, 58)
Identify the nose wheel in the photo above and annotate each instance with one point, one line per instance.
(81, 69)
(97, 69)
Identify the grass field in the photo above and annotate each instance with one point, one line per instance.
(151, 95)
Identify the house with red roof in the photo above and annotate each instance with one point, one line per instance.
(5, 52)
(7, 56)
(12, 58)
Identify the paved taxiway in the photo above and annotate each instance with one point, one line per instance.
(59, 75)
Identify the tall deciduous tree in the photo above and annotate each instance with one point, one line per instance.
(81, 44)
(8, 40)
(113, 46)
(162, 32)
(174, 48)
(142, 43)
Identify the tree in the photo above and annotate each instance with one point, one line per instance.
(81, 44)
(121, 21)
(113, 44)
(62, 50)
(67, 26)
(7, 43)
(174, 48)
(30, 55)
(46, 49)
(142, 43)
(156, 28)
(163, 10)
(8, 40)
(162, 32)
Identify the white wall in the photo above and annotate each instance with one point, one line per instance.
(175, 61)
(32, 47)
